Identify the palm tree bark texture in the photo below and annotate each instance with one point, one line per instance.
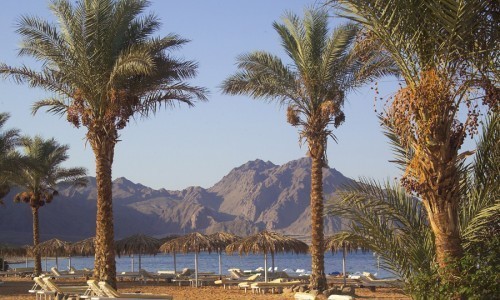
(36, 241)
(318, 279)
(105, 265)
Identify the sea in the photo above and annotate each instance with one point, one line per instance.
(292, 263)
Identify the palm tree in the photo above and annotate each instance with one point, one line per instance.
(104, 68)
(388, 220)
(38, 178)
(448, 54)
(325, 67)
(9, 159)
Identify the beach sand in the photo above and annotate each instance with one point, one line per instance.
(15, 288)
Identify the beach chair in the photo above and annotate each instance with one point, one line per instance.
(64, 292)
(184, 277)
(112, 293)
(95, 290)
(232, 282)
(40, 289)
(58, 274)
(370, 280)
(80, 273)
(128, 275)
(274, 285)
(145, 276)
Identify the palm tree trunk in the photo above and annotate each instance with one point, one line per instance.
(36, 240)
(105, 265)
(443, 217)
(318, 279)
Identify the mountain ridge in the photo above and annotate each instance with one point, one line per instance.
(254, 196)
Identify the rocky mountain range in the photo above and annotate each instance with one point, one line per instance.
(251, 197)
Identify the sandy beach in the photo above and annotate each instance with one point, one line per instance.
(15, 288)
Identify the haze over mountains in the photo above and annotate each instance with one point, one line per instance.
(251, 197)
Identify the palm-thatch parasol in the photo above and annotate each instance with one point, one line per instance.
(10, 250)
(84, 247)
(192, 242)
(137, 244)
(267, 242)
(221, 241)
(341, 241)
(53, 247)
(166, 239)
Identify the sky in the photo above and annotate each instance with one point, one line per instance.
(183, 146)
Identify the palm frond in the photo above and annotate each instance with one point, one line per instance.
(262, 75)
(482, 205)
(400, 235)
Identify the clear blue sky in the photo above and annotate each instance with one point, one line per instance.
(197, 146)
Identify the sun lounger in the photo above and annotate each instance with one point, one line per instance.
(128, 276)
(95, 290)
(66, 291)
(41, 290)
(230, 282)
(58, 274)
(339, 281)
(203, 280)
(81, 273)
(275, 285)
(18, 272)
(370, 280)
(112, 293)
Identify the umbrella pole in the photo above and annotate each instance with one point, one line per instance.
(45, 263)
(196, 268)
(265, 266)
(343, 266)
(132, 263)
(26, 258)
(175, 265)
(139, 261)
(69, 262)
(57, 263)
(272, 262)
(220, 264)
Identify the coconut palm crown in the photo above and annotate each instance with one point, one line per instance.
(103, 68)
(324, 68)
(38, 177)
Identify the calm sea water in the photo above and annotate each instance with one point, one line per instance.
(355, 262)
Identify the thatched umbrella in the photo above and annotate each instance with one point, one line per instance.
(53, 247)
(341, 241)
(267, 242)
(192, 242)
(11, 250)
(84, 247)
(137, 244)
(166, 239)
(221, 241)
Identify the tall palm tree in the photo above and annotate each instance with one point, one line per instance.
(448, 54)
(388, 220)
(325, 67)
(38, 177)
(9, 158)
(104, 68)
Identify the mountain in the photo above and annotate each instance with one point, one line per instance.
(251, 197)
